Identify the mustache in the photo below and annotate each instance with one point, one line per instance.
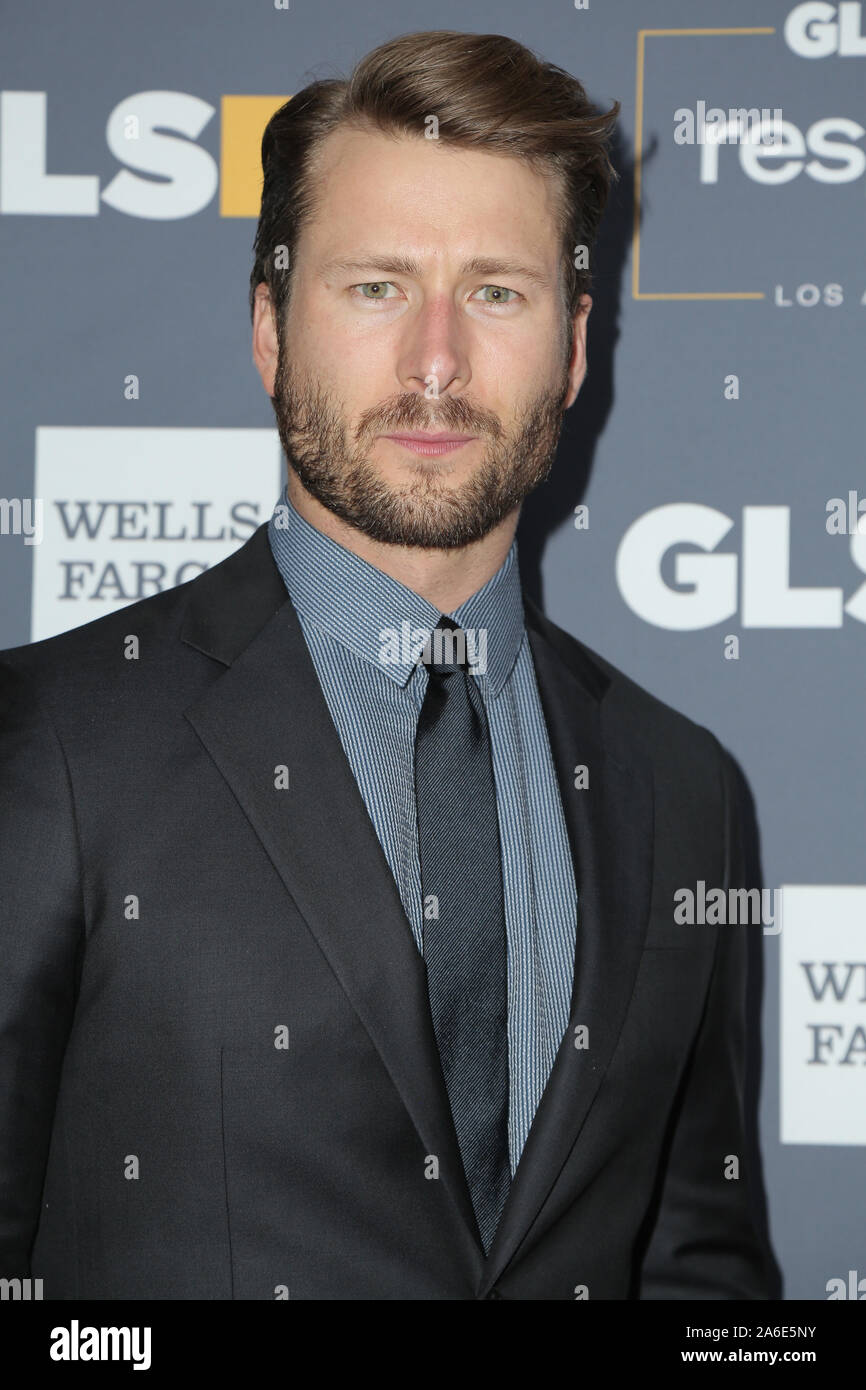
(413, 412)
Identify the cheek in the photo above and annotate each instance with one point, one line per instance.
(331, 359)
(518, 366)
(529, 340)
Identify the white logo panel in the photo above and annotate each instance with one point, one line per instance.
(823, 1014)
(127, 513)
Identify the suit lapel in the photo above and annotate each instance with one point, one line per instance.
(267, 710)
(610, 827)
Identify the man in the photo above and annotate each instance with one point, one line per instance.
(338, 924)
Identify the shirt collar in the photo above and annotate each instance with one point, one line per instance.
(380, 619)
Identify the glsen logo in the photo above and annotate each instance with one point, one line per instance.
(817, 30)
(711, 581)
(152, 132)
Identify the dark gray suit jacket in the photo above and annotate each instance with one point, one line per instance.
(170, 919)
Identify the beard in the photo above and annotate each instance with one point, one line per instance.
(335, 465)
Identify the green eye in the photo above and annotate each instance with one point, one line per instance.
(377, 286)
(499, 291)
(377, 291)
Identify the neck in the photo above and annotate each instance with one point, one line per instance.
(445, 578)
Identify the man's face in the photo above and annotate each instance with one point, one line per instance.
(426, 299)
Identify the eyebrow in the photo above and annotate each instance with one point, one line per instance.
(406, 265)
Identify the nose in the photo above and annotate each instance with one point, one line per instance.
(433, 352)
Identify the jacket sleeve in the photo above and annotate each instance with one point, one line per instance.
(704, 1244)
(41, 930)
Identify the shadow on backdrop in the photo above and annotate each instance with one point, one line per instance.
(548, 508)
(545, 510)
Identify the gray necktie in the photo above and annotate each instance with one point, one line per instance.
(464, 917)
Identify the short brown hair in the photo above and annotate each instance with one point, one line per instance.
(486, 91)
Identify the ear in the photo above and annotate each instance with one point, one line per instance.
(577, 365)
(265, 341)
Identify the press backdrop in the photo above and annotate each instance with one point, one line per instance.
(717, 445)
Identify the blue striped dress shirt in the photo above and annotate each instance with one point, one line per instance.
(359, 625)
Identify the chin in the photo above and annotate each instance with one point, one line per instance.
(426, 473)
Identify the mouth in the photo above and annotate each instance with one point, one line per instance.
(431, 444)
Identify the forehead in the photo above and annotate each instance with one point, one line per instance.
(407, 193)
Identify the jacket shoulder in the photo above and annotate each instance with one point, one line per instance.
(91, 656)
(654, 726)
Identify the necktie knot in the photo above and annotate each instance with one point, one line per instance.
(445, 649)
